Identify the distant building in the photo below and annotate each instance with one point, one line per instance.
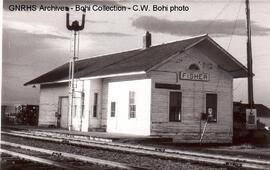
(8, 114)
(160, 90)
(263, 112)
(19, 114)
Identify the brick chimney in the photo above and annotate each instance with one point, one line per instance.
(147, 40)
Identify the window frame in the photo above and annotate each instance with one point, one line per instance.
(111, 111)
(216, 109)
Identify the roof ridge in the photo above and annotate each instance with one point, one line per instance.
(142, 49)
(104, 55)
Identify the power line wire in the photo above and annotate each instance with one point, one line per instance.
(214, 20)
(238, 85)
(235, 24)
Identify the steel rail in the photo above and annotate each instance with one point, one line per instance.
(165, 153)
(68, 155)
(36, 159)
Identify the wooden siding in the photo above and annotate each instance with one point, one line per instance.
(49, 104)
(193, 100)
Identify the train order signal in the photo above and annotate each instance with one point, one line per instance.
(76, 27)
(75, 24)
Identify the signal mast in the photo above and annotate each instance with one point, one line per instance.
(75, 27)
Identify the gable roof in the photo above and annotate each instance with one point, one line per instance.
(140, 60)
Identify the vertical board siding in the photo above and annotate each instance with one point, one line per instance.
(193, 100)
(95, 87)
(77, 103)
(104, 103)
(85, 117)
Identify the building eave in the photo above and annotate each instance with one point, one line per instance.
(91, 78)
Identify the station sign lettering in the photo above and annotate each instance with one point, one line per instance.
(194, 76)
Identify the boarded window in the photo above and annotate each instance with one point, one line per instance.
(168, 86)
(175, 106)
(95, 106)
(211, 107)
(112, 109)
(132, 105)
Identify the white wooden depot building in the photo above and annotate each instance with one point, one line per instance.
(157, 90)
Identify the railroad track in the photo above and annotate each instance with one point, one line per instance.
(221, 160)
(61, 160)
(8, 161)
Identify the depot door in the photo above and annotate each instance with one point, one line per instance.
(63, 101)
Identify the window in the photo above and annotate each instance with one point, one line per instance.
(194, 67)
(112, 109)
(95, 106)
(132, 106)
(211, 107)
(175, 106)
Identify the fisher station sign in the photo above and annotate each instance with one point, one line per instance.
(194, 76)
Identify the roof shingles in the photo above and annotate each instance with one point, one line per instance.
(125, 62)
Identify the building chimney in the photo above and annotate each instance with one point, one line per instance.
(147, 40)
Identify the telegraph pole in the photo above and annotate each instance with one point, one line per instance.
(251, 112)
(249, 59)
(75, 27)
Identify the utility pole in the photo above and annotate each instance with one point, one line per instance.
(251, 113)
(75, 27)
(249, 59)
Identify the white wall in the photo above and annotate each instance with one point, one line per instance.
(49, 97)
(119, 93)
(105, 86)
(85, 105)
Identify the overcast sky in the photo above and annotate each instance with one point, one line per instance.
(36, 42)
